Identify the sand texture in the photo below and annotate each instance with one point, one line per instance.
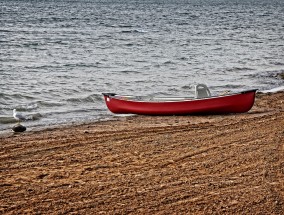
(232, 164)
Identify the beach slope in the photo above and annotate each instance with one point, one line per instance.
(150, 165)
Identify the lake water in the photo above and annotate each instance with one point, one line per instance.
(57, 57)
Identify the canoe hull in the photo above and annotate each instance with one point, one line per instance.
(234, 103)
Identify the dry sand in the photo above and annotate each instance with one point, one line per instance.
(150, 165)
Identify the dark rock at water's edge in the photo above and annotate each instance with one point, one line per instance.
(19, 128)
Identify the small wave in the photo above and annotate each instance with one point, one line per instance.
(49, 104)
(129, 72)
(279, 63)
(90, 98)
(4, 96)
(27, 107)
(129, 44)
(35, 68)
(133, 31)
(269, 74)
(31, 44)
(81, 64)
(10, 119)
(32, 106)
(230, 86)
(35, 116)
(183, 24)
(235, 69)
(125, 26)
(183, 58)
(140, 61)
(6, 120)
(187, 87)
(21, 96)
(5, 31)
(273, 90)
(168, 62)
(161, 94)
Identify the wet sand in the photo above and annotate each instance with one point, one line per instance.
(150, 165)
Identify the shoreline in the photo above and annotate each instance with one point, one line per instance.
(8, 131)
(113, 117)
(143, 165)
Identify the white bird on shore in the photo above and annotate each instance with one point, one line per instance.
(18, 116)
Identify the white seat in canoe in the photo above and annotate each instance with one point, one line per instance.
(202, 91)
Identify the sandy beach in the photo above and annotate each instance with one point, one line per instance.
(212, 164)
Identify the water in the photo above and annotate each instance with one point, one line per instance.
(57, 57)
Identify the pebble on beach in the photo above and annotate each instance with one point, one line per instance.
(19, 128)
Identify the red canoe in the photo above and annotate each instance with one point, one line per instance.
(231, 103)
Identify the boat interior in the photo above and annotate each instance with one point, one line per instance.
(201, 91)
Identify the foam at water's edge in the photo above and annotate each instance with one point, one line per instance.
(273, 90)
